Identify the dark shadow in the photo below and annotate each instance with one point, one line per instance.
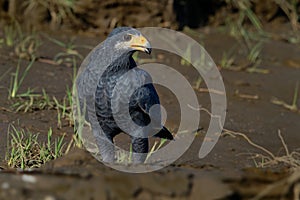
(194, 13)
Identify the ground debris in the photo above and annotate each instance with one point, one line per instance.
(64, 179)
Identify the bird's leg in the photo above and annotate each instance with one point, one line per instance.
(140, 149)
(105, 146)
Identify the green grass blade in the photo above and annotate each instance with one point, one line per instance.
(295, 98)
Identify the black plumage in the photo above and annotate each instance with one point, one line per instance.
(96, 86)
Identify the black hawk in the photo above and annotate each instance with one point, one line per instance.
(101, 72)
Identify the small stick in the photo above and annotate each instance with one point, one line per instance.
(283, 143)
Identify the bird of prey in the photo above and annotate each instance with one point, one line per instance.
(96, 84)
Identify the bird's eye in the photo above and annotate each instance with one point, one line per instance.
(127, 37)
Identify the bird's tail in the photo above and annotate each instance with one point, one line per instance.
(164, 133)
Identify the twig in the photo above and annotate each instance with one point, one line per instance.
(283, 143)
(210, 91)
(288, 158)
(5, 109)
(47, 61)
(246, 96)
(230, 132)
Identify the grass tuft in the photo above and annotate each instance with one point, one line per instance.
(125, 157)
(26, 151)
(293, 106)
(59, 10)
(27, 47)
(12, 32)
(69, 53)
(17, 79)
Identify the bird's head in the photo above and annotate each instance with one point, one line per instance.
(129, 39)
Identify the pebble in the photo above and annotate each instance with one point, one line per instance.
(28, 178)
(5, 186)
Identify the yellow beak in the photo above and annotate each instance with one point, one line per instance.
(140, 43)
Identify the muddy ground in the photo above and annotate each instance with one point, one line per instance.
(229, 172)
